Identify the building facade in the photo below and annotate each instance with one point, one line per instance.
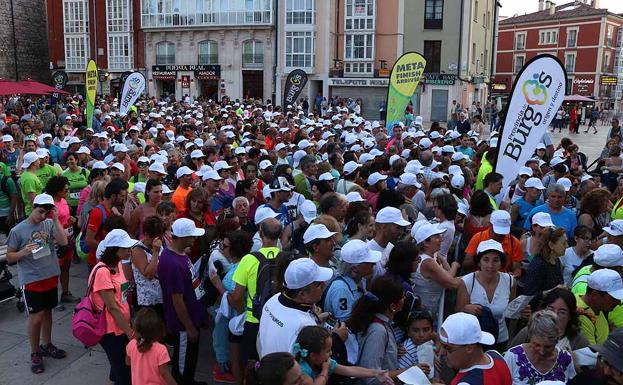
(586, 39)
(22, 41)
(347, 47)
(106, 31)
(209, 48)
(457, 40)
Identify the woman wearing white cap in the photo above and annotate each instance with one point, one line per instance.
(109, 290)
(78, 178)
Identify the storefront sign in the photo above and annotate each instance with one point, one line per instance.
(609, 80)
(499, 86)
(185, 81)
(439, 79)
(188, 67)
(584, 81)
(208, 75)
(359, 82)
(164, 75)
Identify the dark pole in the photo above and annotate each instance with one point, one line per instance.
(14, 43)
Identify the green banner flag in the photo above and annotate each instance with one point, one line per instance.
(91, 85)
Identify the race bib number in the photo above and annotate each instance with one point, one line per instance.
(41, 252)
(125, 287)
(69, 231)
(74, 195)
(199, 292)
(12, 168)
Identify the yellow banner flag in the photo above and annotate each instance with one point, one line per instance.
(91, 85)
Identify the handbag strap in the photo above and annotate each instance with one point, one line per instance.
(92, 280)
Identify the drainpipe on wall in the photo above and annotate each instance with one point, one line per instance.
(494, 46)
(460, 63)
(276, 65)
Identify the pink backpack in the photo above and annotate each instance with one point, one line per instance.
(88, 324)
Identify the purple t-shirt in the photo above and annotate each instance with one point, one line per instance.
(177, 276)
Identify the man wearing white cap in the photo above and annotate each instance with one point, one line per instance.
(554, 206)
(30, 185)
(302, 181)
(286, 313)
(182, 295)
(604, 293)
(522, 206)
(350, 172)
(357, 263)
(184, 176)
(320, 242)
(463, 345)
(103, 149)
(390, 226)
(32, 245)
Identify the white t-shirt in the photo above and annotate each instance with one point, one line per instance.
(447, 237)
(379, 267)
(280, 325)
(570, 261)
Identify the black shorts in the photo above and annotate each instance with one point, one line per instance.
(37, 301)
(248, 348)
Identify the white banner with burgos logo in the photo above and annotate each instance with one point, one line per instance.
(538, 92)
(132, 88)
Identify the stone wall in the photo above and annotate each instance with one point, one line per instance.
(31, 37)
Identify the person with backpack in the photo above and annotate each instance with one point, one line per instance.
(285, 314)
(182, 293)
(254, 282)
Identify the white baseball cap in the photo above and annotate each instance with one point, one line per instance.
(464, 329)
(43, 199)
(523, 170)
(211, 175)
(457, 156)
(184, 170)
(615, 228)
(565, 182)
(303, 144)
(221, 165)
(543, 219)
(118, 147)
(119, 238)
(501, 222)
(303, 272)
(263, 213)
(118, 166)
(489, 245)
(457, 181)
(29, 158)
(376, 177)
(265, 164)
(350, 167)
(354, 196)
(409, 179)
(42, 152)
(157, 167)
(99, 165)
(7, 138)
(197, 154)
(357, 251)
(391, 215)
(185, 227)
(427, 230)
(309, 211)
(454, 169)
(139, 187)
(280, 184)
(607, 280)
(314, 232)
(280, 146)
(609, 255)
(534, 183)
(327, 176)
(556, 161)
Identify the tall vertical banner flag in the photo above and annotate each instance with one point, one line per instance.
(91, 85)
(403, 81)
(132, 88)
(537, 94)
(59, 81)
(294, 86)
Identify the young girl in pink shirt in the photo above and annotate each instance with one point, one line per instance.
(148, 359)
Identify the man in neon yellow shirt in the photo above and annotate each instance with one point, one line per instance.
(605, 291)
(30, 184)
(486, 166)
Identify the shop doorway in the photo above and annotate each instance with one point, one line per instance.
(209, 89)
(439, 106)
(253, 84)
(168, 87)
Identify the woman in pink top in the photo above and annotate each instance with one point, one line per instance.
(57, 187)
(110, 290)
(147, 357)
(95, 175)
(153, 197)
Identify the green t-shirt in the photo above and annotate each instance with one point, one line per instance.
(246, 276)
(592, 326)
(4, 169)
(45, 173)
(29, 183)
(578, 287)
(77, 181)
(5, 200)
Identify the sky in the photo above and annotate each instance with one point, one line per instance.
(511, 7)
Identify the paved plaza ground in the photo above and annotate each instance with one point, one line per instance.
(91, 366)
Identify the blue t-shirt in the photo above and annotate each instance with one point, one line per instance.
(177, 276)
(524, 210)
(466, 150)
(341, 297)
(284, 213)
(565, 219)
(307, 370)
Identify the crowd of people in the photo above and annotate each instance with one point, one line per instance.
(314, 247)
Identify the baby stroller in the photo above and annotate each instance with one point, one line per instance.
(7, 290)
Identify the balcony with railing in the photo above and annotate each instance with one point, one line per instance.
(208, 58)
(165, 59)
(255, 60)
(207, 13)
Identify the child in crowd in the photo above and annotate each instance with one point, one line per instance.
(148, 359)
(421, 342)
(313, 353)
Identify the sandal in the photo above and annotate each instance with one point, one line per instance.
(50, 350)
(36, 363)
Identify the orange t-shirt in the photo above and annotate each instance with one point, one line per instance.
(511, 246)
(179, 198)
(145, 366)
(105, 280)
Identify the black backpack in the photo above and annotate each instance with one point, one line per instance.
(266, 282)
